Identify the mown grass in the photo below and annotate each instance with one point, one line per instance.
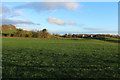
(46, 58)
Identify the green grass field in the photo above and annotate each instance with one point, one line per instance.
(46, 58)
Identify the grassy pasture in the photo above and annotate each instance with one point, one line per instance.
(46, 58)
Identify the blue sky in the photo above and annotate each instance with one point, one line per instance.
(78, 17)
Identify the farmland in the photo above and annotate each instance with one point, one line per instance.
(47, 58)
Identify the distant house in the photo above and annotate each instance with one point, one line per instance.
(83, 35)
(91, 35)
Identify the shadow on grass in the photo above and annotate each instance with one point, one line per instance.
(114, 40)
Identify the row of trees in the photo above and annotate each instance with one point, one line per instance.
(89, 35)
(12, 31)
(36, 34)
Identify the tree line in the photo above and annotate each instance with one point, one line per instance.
(12, 31)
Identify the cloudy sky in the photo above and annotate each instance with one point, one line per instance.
(62, 17)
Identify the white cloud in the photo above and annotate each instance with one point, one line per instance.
(72, 5)
(49, 6)
(11, 21)
(4, 9)
(10, 12)
(61, 22)
(7, 15)
(55, 21)
(71, 23)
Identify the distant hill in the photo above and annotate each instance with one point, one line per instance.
(8, 29)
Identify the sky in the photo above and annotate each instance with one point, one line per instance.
(62, 17)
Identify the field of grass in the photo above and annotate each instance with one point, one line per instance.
(45, 58)
(108, 39)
